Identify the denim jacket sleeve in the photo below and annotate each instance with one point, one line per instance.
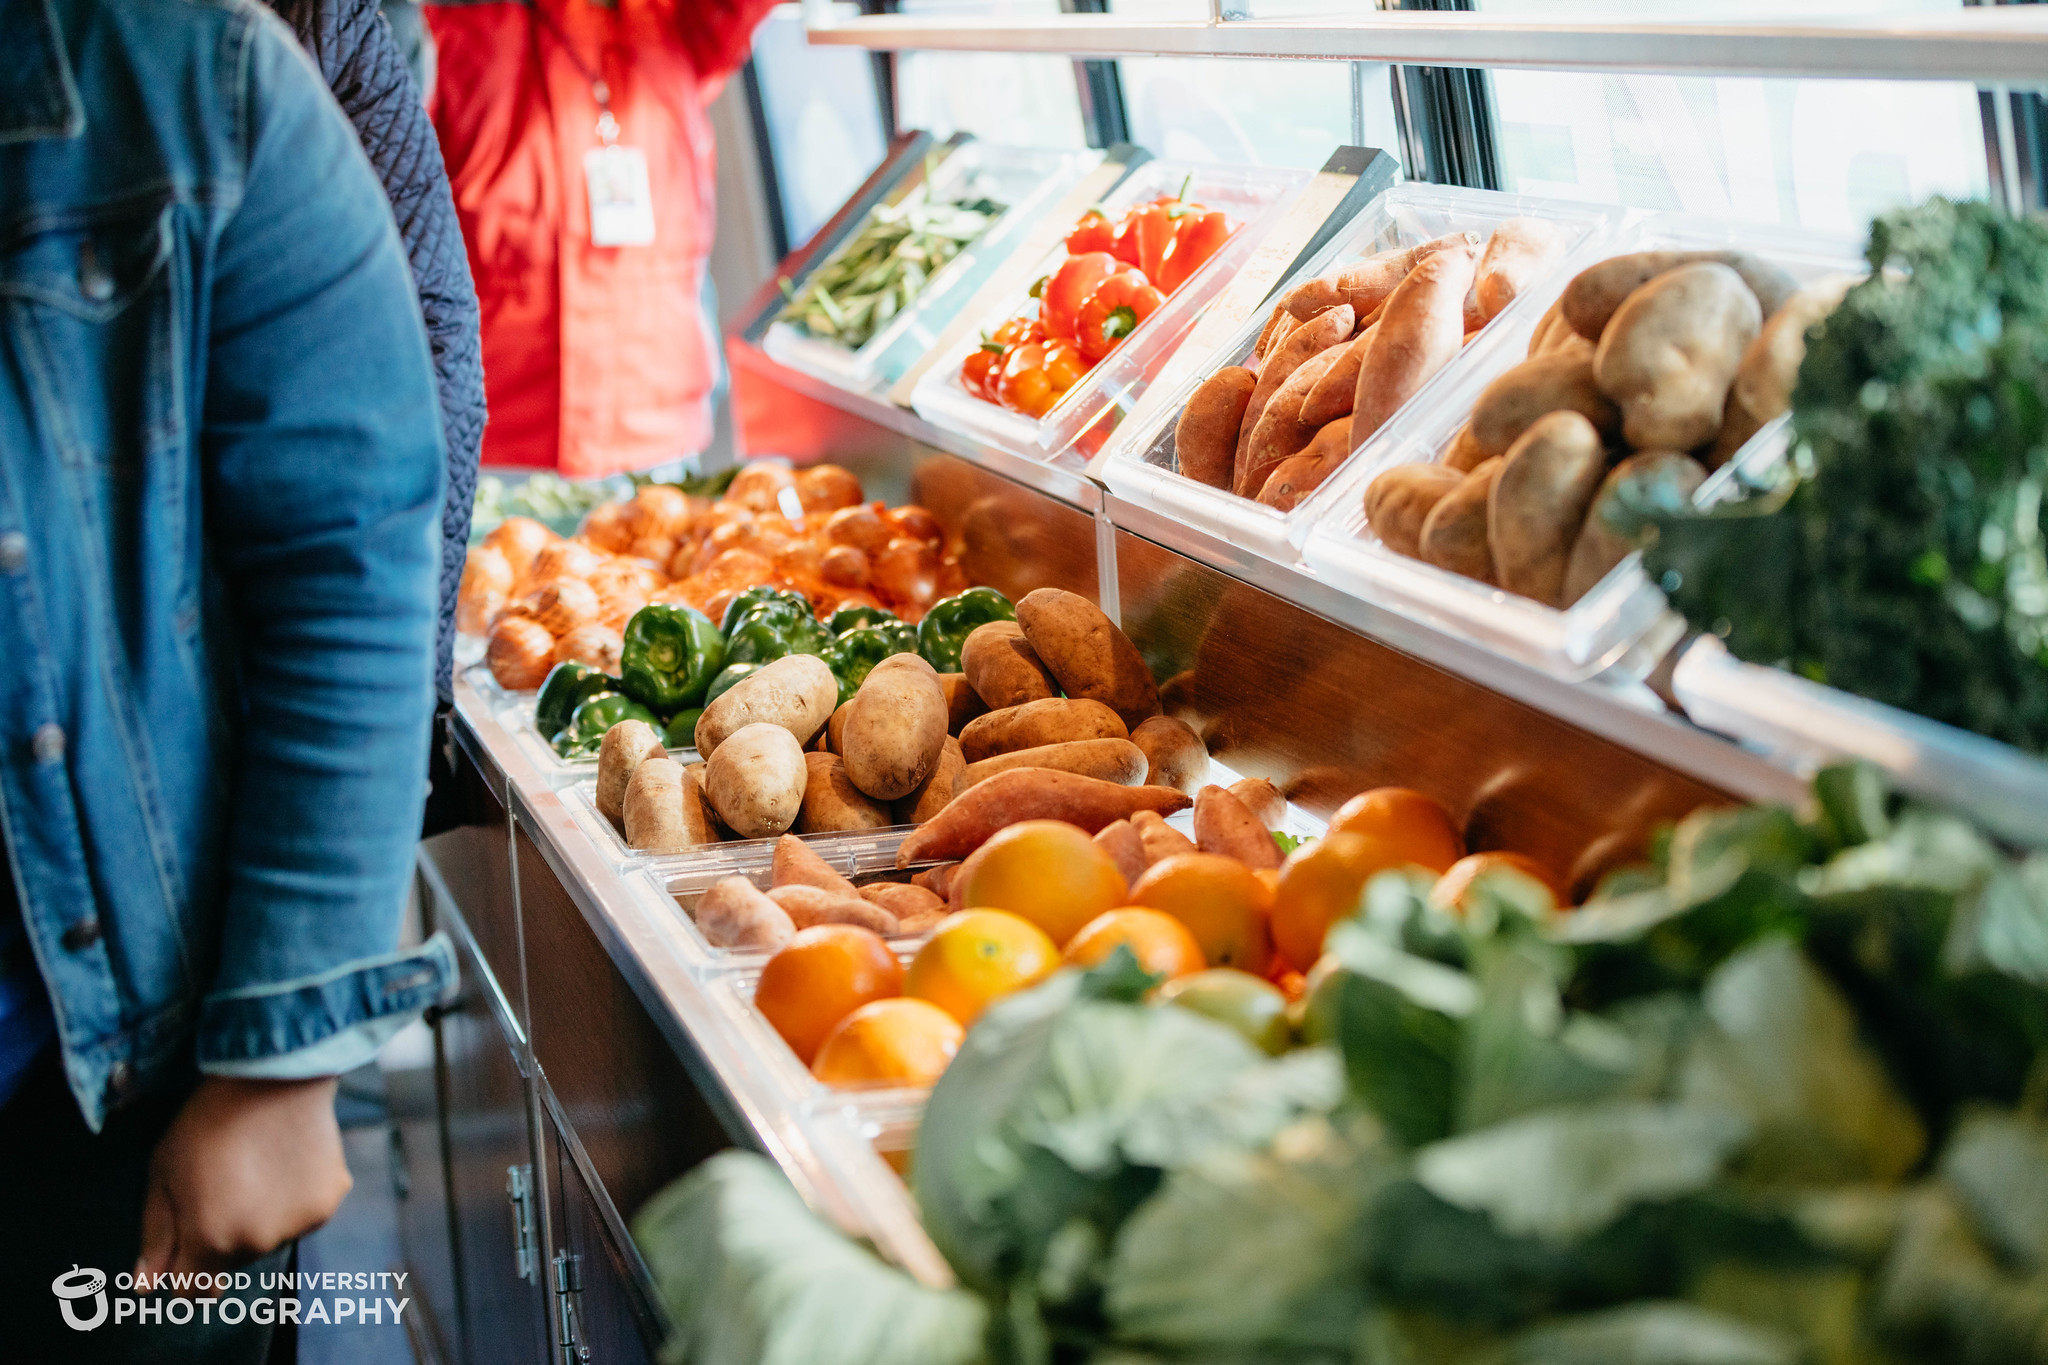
(323, 462)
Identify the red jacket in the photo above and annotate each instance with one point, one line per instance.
(596, 359)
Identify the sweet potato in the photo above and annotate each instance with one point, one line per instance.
(1112, 760)
(1597, 292)
(735, 914)
(1365, 285)
(798, 864)
(932, 794)
(1418, 334)
(1454, 532)
(809, 905)
(1517, 252)
(1337, 388)
(1003, 668)
(1303, 344)
(1205, 439)
(1280, 435)
(895, 731)
(796, 692)
(1119, 839)
(1670, 352)
(1174, 754)
(1660, 479)
(1028, 794)
(902, 900)
(832, 802)
(1274, 324)
(1556, 380)
(621, 750)
(935, 879)
(1770, 366)
(1538, 503)
(1399, 500)
(1050, 720)
(1159, 839)
(1300, 475)
(756, 780)
(1223, 825)
(1266, 802)
(1087, 653)
(963, 703)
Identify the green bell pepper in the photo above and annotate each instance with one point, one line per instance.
(759, 595)
(855, 653)
(682, 729)
(567, 684)
(772, 630)
(951, 620)
(592, 717)
(722, 684)
(853, 618)
(671, 653)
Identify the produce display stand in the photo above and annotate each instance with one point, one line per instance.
(598, 1050)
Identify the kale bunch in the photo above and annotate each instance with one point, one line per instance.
(1906, 562)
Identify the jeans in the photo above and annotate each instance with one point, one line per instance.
(74, 1198)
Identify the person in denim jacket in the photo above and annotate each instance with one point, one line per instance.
(221, 470)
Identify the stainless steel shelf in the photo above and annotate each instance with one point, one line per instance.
(2005, 44)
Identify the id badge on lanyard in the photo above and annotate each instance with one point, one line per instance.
(621, 202)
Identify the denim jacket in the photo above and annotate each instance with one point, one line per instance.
(220, 486)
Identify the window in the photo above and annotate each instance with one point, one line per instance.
(822, 118)
(1003, 97)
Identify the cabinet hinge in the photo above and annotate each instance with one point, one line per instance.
(519, 1189)
(568, 1293)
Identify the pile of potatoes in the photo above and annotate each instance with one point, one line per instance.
(1053, 716)
(1650, 370)
(1341, 354)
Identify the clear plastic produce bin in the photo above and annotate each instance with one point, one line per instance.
(1141, 468)
(1254, 197)
(679, 880)
(742, 855)
(555, 770)
(1808, 726)
(1599, 628)
(1028, 180)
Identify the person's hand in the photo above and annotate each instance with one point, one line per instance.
(244, 1168)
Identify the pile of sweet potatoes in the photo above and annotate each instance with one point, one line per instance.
(1650, 369)
(1342, 352)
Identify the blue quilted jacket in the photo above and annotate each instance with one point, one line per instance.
(364, 66)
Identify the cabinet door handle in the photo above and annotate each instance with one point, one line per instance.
(519, 1190)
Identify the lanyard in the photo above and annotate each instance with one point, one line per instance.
(600, 89)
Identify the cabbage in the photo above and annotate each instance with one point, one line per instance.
(752, 1277)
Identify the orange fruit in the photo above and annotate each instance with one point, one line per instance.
(819, 977)
(1220, 900)
(1048, 871)
(1319, 884)
(889, 1042)
(1416, 827)
(976, 957)
(1453, 890)
(1161, 943)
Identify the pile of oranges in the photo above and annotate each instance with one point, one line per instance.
(1229, 940)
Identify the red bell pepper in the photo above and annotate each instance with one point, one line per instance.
(1142, 238)
(1197, 236)
(1059, 303)
(1114, 311)
(1093, 233)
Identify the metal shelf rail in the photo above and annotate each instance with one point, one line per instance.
(2002, 45)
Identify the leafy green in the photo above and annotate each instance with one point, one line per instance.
(1906, 563)
(1565, 1173)
(1246, 1248)
(1651, 1334)
(751, 1277)
(1400, 1022)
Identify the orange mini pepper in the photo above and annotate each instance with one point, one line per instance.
(1114, 311)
